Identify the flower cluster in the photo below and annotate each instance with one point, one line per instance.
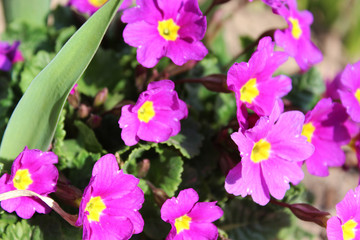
(253, 83)
(9, 54)
(170, 29)
(35, 171)
(346, 224)
(156, 115)
(296, 39)
(91, 6)
(189, 218)
(270, 154)
(110, 204)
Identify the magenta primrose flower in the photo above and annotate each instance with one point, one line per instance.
(9, 54)
(73, 90)
(345, 226)
(296, 39)
(253, 83)
(350, 95)
(32, 170)
(189, 218)
(91, 6)
(165, 28)
(325, 128)
(109, 208)
(156, 115)
(270, 154)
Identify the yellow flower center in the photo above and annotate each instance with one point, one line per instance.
(97, 3)
(349, 230)
(295, 30)
(95, 207)
(22, 179)
(182, 223)
(308, 131)
(249, 91)
(146, 112)
(357, 95)
(260, 151)
(168, 29)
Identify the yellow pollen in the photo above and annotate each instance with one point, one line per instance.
(260, 151)
(308, 131)
(295, 30)
(168, 29)
(249, 91)
(349, 230)
(22, 179)
(357, 95)
(146, 112)
(182, 223)
(97, 3)
(95, 207)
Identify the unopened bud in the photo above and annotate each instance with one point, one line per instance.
(101, 97)
(160, 195)
(309, 213)
(143, 168)
(83, 111)
(94, 121)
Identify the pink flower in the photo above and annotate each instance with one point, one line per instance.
(270, 154)
(189, 218)
(345, 226)
(296, 39)
(253, 83)
(156, 115)
(91, 6)
(325, 128)
(9, 54)
(32, 170)
(350, 95)
(165, 28)
(110, 205)
(72, 92)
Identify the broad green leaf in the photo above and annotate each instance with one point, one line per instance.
(35, 118)
(33, 68)
(33, 12)
(87, 137)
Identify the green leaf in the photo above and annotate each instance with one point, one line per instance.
(6, 102)
(35, 118)
(189, 140)
(5, 220)
(245, 220)
(33, 12)
(307, 89)
(22, 230)
(165, 166)
(33, 67)
(87, 138)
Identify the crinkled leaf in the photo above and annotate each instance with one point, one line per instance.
(306, 89)
(22, 230)
(43, 101)
(5, 220)
(189, 140)
(245, 220)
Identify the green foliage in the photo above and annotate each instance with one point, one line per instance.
(33, 12)
(165, 166)
(21, 230)
(6, 102)
(42, 103)
(244, 219)
(189, 140)
(306, 89)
